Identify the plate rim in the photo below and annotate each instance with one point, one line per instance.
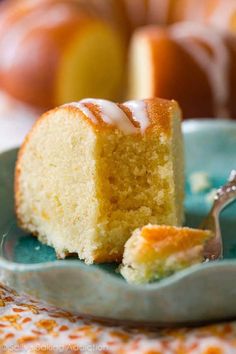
(189, 126)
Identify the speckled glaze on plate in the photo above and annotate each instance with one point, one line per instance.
(196, 295)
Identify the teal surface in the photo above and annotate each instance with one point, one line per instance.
(30, 266)
(210, 146)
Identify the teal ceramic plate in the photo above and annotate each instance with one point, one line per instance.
(200, 293)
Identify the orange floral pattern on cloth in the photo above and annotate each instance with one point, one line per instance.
(31, 326)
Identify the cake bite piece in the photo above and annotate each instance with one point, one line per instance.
(91, 172)
(154, 252)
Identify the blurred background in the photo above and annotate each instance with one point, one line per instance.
(56, 51)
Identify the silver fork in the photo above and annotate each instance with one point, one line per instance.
(224, 196)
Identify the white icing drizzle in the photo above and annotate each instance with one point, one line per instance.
(215, 66)
(112, 114)
(223, 14)
(85, 110)
(139, 112)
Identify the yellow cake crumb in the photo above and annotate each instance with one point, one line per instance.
(156, 251)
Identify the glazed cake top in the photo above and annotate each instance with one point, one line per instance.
(131, 117)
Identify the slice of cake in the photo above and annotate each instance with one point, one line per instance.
(154, 252)
(90, 172)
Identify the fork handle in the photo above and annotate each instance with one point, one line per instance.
(224, 196)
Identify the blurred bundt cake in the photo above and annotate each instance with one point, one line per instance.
(54, 51)
(194, 63)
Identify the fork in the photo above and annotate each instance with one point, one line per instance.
(224, 196)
